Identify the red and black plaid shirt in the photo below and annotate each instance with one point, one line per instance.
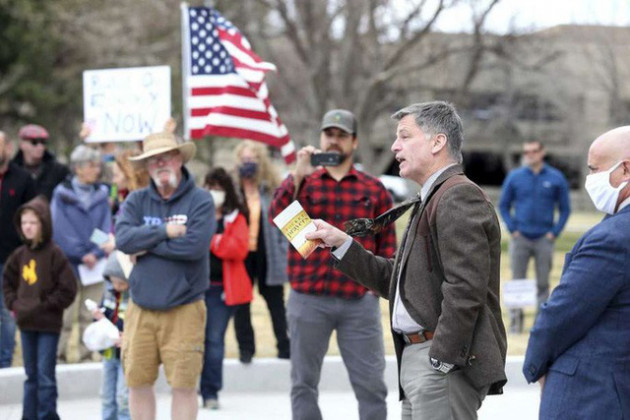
(356, 195)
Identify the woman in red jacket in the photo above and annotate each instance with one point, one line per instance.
(229, 283)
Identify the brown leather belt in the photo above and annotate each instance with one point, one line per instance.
(418, 337)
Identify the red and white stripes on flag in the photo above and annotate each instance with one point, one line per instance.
(224, 84)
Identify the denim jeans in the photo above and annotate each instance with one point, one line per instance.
(217, 318)
(7, 331)
(39, 350)
(115, 398)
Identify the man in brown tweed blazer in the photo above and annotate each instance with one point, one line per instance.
(443, 285)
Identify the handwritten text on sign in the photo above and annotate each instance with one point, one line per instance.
(126, 104)
(519, 293)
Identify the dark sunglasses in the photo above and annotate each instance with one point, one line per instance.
(35, 142)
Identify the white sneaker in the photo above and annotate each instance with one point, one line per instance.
(211, 404)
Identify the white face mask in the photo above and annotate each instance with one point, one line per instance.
(604, 195)
(218, 197)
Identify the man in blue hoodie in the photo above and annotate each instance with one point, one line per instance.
(534, 191)
(167, 228)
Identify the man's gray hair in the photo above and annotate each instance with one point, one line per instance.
(83, 154)
(434, 118)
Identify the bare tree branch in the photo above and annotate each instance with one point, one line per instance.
(404, 30)
(478, 49)
(350, 49)
(293, 34)
(399, 52)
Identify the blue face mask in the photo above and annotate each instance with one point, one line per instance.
(248, 169)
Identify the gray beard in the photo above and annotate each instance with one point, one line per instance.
(172, 180)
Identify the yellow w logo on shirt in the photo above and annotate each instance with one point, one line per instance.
(28, 273)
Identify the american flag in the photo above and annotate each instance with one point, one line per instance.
(224, 84)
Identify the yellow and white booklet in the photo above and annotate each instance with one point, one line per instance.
(294, 224)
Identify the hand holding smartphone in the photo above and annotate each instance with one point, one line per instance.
(325, 159)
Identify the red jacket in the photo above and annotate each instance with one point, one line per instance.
(232, 246)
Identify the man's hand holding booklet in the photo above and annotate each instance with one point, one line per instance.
(294, 223)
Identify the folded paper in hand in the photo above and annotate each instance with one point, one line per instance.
(92, 275)
(294, 223)
(99, 237)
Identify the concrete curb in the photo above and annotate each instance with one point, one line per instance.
(81, 381)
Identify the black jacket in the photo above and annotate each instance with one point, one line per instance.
(16, 188)
(52, 173)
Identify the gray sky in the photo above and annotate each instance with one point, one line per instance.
(531, 14)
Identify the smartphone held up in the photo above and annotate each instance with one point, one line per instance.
(326, 159)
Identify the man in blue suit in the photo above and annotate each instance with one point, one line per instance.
(579, 348)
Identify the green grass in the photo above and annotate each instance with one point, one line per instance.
(265, 342)
(577, 225)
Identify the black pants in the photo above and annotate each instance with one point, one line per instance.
(274, 297)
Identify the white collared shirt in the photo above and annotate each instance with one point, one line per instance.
(402, 322)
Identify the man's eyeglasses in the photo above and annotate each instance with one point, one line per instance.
(162, 157)
(35, 142)
(531, 152)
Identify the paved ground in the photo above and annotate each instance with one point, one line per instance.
(260, 391)
(518, 403)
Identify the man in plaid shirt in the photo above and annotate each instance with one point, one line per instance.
(323, 299)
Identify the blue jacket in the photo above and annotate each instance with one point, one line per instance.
(73, 223)
(581, 339)
(534, 198)
(173, 272)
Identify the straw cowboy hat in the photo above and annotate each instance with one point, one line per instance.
(157, 143)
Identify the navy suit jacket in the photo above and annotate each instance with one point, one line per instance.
(581, 339)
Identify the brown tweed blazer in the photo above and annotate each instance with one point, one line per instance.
(449, 284)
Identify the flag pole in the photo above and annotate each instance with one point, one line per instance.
(185, 68)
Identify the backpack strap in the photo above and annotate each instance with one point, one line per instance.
(430, 210)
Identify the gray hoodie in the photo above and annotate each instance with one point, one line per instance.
(173, 272)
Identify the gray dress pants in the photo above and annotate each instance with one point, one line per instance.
(433, 395)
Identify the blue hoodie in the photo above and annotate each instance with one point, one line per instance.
(173, 272)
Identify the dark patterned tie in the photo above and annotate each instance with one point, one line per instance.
(367, 226)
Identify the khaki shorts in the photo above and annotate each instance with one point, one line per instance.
(174, 338)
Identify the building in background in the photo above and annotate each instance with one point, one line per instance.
(561, 85)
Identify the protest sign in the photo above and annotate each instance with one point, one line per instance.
(519, 293)
(127, 103)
